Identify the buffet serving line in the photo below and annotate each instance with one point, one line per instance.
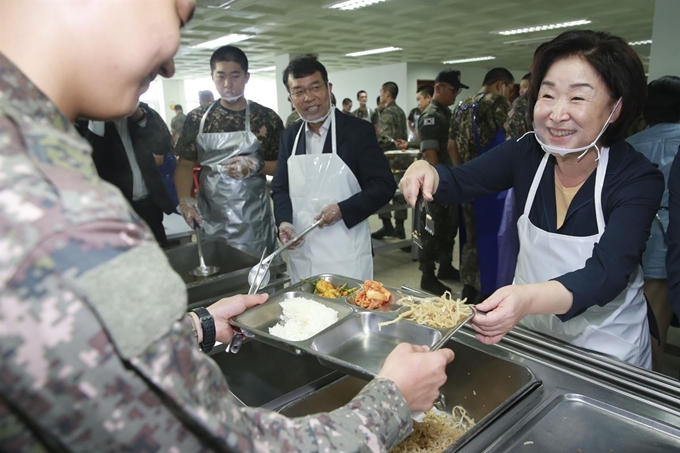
(527, 393)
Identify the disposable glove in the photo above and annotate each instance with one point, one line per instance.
(189, 210)
(329, 215)
(241, 167)
(287, 233)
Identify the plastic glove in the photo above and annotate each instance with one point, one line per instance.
(240, 167)
(287, 233)
(329, 215)
(189, 210)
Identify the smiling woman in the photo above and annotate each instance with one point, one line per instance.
(585, 201)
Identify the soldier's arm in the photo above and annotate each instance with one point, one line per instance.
(429, 145)
(271, 146)
(452, 149)
(501, 108)
(188, 155)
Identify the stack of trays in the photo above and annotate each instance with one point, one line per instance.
(354, 344)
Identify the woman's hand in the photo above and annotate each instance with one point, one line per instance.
(419, 174)
(510, 304)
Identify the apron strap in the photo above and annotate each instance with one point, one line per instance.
(334, 142)
(534, 185)
(599, 182)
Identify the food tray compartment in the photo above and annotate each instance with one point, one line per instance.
(391, 306)
(336, 280)
(259, 319)
(485, 385)
(357, 346)
(572, 422)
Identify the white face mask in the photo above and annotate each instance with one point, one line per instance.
(232, 99)
(564, 151)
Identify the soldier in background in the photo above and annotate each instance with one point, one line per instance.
(205, 97)
(375, 116)
(98, 352)
(347, 106)
(477, 126)
(363, 111)
(517, 123)
(177, 123)
(423, 99)
(392, 128)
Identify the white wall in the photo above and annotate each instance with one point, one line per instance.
(347, 83)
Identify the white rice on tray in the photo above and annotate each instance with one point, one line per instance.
(302, 318)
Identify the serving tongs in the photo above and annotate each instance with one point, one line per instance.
(422, 207)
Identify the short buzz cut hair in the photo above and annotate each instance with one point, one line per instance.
(346, 101)
(663, 101)
(498, 75)
(391, 88)
(229, 53)
(304, 66)
(426, 91)
(360, 92)
(178, 107)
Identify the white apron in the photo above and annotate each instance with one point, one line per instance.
(314, 181)
(620, 328)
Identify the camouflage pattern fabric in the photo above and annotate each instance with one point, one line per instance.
(264, 123)
(517, 122)
(438, 248)
(491, 115)
(293, 118)
(393, 125)
(363, 114)
(375, 117)
(97, 352)
(177, 123)
(434, 125)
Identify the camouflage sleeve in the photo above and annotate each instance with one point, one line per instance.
(516, 122)
(453, 127)
(186, 145)
(427, 129)
(501, 107)
(270, 144)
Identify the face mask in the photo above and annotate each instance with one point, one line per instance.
(323, 118)
(232, 99)
(564, 151)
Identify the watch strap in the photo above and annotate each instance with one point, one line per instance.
(208, 326)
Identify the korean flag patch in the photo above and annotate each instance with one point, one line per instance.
(428, 122)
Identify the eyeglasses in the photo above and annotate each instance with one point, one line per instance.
(455, 90)
(312, 90)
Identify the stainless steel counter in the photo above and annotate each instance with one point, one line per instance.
(571, 400)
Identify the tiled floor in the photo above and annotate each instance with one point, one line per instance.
(396, 268)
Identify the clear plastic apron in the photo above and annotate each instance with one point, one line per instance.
(236, 210)
(314, 181)
(620, 328)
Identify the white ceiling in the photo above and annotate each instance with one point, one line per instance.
(429, 31)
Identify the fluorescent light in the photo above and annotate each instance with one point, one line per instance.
(354, 4)
(223, 41)
(265, 69)
(469, 60)
(373, 51)
(640, 43)
(534, 28)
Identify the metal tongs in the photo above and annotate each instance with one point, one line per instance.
(259, 274)
(417, 229)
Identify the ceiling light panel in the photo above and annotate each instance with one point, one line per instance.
(373, 51)
(640, 43)
(354, 4)
(223, 41)
(535, 28)
(469, 60)
(265, 69)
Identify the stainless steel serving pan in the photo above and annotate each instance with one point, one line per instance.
(355, 344)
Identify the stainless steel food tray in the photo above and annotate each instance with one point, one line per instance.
(570, 422)
(354, 344)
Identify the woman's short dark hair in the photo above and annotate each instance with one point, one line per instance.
(616, 63)
(304, 67)
(663, 101)
(229, 53)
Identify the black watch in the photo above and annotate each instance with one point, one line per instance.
(208, 326)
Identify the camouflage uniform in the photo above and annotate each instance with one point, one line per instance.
(293, 118)
(363, 114)
(97, 352)
(176, 125)
(264, 122)
(491, 115)
(375, 118)
(517, 122)
(433, 125)
(393, 124)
